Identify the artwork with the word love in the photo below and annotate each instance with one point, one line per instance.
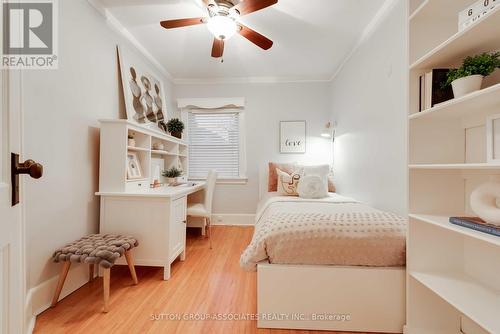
(293, 137)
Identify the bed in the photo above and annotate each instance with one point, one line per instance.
(327, 264)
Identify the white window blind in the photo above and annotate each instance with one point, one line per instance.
(214, 143)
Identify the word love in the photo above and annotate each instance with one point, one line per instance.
(293, 143)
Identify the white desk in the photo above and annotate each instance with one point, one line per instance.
(156, 217)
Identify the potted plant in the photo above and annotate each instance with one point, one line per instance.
(175, 127)
(469, 77)
(172, 174)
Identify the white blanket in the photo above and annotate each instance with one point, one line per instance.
(335, 230)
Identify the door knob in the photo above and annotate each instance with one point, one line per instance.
(33, 169)
(29, 167)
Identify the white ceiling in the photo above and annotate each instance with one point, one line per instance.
(311, 38)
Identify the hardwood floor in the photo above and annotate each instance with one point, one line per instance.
(208, 282)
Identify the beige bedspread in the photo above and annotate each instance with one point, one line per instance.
(332, 231)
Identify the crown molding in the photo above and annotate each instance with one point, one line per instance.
(119, 28)
(248, 80)
(372, 26)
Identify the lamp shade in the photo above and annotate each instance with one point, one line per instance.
(222, 27)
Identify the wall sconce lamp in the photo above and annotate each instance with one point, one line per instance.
(329, 131)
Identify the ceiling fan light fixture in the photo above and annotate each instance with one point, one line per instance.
(222, 27)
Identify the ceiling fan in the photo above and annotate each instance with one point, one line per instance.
(223, 22)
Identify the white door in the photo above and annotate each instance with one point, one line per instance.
(12, 281)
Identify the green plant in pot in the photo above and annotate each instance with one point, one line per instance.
(172, 174)
(175, 127)
(469, 77)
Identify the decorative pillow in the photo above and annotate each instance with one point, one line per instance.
(322, 171)
(272, 182)
(312, 186)
(287, 183)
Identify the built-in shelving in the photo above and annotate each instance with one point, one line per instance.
(480, 303)
(464, 106)
(455, 166)
(443, 222)
(138, 149)
(452, 270)
(160, 152)
(479, 37)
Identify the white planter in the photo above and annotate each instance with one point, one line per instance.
(170, 180)
(131, 142)
(467, 85)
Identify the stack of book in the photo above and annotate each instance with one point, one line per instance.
(477, 224)
(431, 88)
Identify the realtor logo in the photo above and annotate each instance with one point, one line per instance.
(29, 34)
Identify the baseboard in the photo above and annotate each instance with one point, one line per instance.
(233, 219)
(39, 297)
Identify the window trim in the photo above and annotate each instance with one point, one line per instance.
(242, 169)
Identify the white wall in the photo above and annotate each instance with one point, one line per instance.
(61, 109)
(368, 100)
(266, 105)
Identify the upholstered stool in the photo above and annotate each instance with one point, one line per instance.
(95, 249)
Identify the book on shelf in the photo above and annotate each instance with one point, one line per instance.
(477, 224)
(431, 90)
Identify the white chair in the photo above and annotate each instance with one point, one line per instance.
(204, 210)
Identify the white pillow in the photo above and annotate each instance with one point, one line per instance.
(312, 186)
(321, 170)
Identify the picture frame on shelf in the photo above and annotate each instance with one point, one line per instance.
(143, 90)
(134, 170)
(293, 137)
(493, 139)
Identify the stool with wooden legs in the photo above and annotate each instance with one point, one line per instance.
(96, 249)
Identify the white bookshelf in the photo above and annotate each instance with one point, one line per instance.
(114, 149)
(453, 283)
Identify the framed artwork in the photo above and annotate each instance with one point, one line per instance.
(143, 92)
(134, 170)
(293, 137)
(493, 139)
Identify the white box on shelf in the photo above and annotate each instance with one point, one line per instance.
(475, 12)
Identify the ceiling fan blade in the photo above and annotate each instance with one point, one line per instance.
(170, 24)
(218, 48)
(250, 6)
(256, 38)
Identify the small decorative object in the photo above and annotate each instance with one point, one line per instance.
(158, 146)
(156, 184)
(157, 165)
(131, 141)
(469, 77)
(475, 12)
(134, 170)
(483, 201)
(143, 91)
(493, 138)
(175, 127)
(293, 137)
(172, 174)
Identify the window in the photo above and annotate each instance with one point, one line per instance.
(215, 143)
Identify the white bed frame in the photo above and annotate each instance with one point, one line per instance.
(357, 299)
